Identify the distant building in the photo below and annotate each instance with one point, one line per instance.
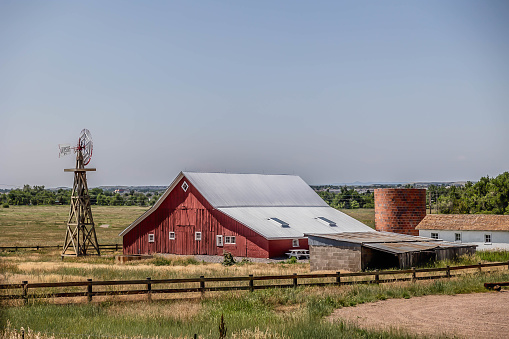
(487, 231)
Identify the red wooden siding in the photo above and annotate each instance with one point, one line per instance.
(186, 213)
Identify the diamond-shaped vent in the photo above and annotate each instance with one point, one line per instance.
(185, 186)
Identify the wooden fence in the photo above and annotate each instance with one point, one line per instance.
(115, 247)
(203, 284)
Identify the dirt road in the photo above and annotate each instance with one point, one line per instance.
(478, 315)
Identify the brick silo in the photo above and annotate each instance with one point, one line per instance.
(399, 210)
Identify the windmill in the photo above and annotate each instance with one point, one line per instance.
(80, 235)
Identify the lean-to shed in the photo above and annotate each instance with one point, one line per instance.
(250, 215)
(356, 251)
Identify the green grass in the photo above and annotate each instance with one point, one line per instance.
(279, 313)
(46, 225)
(364, 215)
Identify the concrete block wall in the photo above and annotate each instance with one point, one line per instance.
(336, 258)
(399, 210)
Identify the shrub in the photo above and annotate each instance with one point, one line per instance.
(229, 260)
(6, 205)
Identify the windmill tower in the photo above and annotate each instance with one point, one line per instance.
(80, 237)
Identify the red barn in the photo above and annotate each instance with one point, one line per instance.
(248, 215)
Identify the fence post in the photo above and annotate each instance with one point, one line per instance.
(251, 283)
(338, 278)
(480, 267)
(508, 265)
(25, 292)
(414, 274)
(295, 280)
(22, 333)
(149, 289)
(377, 277)
(448, 272)
(89, 290)
(37, 247)
(202, 285)
(116, 247)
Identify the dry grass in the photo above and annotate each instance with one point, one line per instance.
(364, 215)
(46, 225)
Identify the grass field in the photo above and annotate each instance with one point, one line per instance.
(364, 215)
(45, 225)
(274, 313)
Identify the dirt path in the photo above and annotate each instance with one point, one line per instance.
(478, 315)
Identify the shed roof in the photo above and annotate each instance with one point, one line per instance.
(254, 190)
(390, 242)
(465, 222)
(299, 220)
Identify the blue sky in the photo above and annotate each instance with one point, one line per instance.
(333, 91)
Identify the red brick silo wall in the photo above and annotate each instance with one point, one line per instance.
(399, 210)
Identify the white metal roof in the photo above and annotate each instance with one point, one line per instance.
(253, 199)
(300, 220)
(250, 190)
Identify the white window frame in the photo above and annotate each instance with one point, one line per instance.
(295, 242)
(197, 236)
(219, 241)
(487, 236)
(457, 237)
(171, 235)
(229, 239)
(151, 237)
(433, 235)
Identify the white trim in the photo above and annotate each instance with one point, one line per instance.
(197, 236)
(151, 237)
(486, 235)
(295, 242)
(171, 235)
(230, 240)
(219, 241)
(185, 186)
(154, 207)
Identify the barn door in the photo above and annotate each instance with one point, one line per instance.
(184, 231)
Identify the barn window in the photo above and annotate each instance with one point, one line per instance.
(295, 242)
(457, 237)
(229, 240)
(172, 235)
(219, 240)
(280, 222)
(487, 238)
(197, 236)
(327, 221)
(185, 186)
(151, 237)
(434, 235)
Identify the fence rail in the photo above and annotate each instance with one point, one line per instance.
(201, 282)
(115, 247)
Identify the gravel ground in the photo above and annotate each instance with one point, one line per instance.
(220, 258)
(477, 315)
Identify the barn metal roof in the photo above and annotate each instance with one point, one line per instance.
(253, 199)
(254, 190)
(300, 220)
(404, 247)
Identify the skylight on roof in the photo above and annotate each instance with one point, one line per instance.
(280, 222)
(327, 221)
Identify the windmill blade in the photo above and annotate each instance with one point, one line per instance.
(64, 149)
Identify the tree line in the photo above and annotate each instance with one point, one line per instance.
(38, 195)
(348, 198)
(487, 196)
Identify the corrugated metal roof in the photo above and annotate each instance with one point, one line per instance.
(465, 222)
(390, 242)
(404, 247)
(360, 237)
(300, 220)
(254, 190)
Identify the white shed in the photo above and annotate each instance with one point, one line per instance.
(487, 231)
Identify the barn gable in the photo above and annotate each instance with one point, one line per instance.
(247, 214)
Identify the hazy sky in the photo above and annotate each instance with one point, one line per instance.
(333, 91)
